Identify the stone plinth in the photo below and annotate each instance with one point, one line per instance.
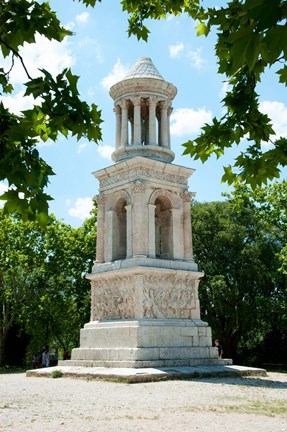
(145, 316)
(145, 343)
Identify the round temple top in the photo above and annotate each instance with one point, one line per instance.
(142, 104)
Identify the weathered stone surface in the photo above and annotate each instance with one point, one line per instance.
(145, 308)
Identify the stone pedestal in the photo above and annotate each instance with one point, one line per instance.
(145, 316)
(145, 343)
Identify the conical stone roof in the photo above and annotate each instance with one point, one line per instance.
(143, 68)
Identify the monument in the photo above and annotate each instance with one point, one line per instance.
(145, 308)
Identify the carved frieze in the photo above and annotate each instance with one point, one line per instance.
(138, 172)
(113, 299)
(168, 297)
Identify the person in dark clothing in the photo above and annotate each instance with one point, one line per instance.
(219, 348)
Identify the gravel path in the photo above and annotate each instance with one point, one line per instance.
(256, 404)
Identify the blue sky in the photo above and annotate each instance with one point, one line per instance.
(101, 53)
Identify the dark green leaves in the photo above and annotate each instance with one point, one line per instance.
(251, 36)
(61, 110)
(21, 19)
(58, 109)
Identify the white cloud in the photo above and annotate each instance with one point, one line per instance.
(82, 208)
(18, 102)
(106, 151)
(196, 58)
(277, 111)
(70, 25)
(226, 87)
(170, 17)
(94, 48)
(51, 55)
(176, 50)
(185, 121)
(81, 147)
(83, 17)
(117, 74)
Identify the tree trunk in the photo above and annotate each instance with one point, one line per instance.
(3, 338)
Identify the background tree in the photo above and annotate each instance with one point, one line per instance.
(57, 109)
(251, 37)
(18, 256)
(43, 286)
(243, 296)
(270, 206)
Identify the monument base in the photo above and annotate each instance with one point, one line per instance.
(145, 343)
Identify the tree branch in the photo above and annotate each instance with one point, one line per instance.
(15, 53)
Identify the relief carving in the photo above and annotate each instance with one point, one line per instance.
(137, 172)
(113, 299)
(167, 297)
(138, 186)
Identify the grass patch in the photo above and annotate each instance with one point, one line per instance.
(57, 374)
(12, 369)
(263, 408)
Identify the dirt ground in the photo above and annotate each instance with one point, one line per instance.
(257, 404)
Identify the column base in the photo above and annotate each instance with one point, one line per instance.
(145, 343)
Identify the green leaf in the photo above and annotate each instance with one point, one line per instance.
(283, 75)
(202, 29)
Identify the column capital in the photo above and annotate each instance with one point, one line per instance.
(187, 196)
(136, 100)
(124, 103)
(117, 109)
(100, 199)
(138, 186)
(165, 104)
(153, 100)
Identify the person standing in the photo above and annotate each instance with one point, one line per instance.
(219, 348)
(45, 357)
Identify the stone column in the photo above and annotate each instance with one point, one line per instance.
(139, 218)
(169, 111)
(188, 249)
(117, 110)
(137, 121)
(164, 124)
(124, 124)
(109, 238)
(151, 230)
(129, 231)
(178, 234)
(152, 121)
(100, 252)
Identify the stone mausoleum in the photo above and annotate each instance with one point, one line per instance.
(144, 284)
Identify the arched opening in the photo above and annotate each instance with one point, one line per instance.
(120, 230)
(163, 229)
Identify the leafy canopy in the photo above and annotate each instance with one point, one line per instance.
(238, 244)
(251, 37)
(57, 109)
(43, 289)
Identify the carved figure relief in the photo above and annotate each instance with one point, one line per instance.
(165, 297)
(113, 299)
